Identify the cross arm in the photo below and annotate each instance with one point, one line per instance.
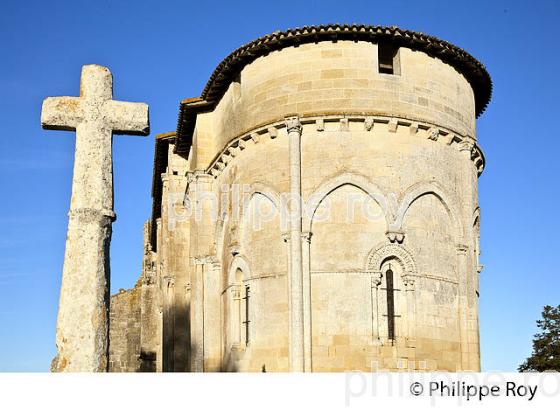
(128, 117)
(61, 113)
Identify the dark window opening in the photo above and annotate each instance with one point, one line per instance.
(246, 321)
(390, 305)
(388, 58)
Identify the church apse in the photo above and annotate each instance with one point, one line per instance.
(317, 210)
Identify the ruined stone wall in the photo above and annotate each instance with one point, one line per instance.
(124, 330)
(135, 332)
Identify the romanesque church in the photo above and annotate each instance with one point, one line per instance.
(316, 209)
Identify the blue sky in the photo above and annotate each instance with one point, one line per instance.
(163, 51)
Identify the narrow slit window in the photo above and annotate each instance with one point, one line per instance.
(246, 321)
(390, 305)
(388, 58)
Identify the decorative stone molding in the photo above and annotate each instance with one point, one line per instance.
(104, 217)
(422, 129)
(238, 262)
(384, 251)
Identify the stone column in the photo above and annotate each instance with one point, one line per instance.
(197, 317)
(168, 323)
(294, 129)
(466, 269)
(462, 263)
(375, 282)
(212, 315)
(235, 315)
(410, 310)
(286, 239)
(307, 313)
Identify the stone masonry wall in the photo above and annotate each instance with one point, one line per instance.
(124, 330)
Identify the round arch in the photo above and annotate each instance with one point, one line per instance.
(419, 190)
(384, 251)
(356, 180)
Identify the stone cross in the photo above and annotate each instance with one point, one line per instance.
(82, 329)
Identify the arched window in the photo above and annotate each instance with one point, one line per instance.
(239, 313)
(393, 273)
(235, 310)
(391, 300)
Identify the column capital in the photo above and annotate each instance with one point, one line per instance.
(409, 282)
(169, 281)
(205, 260)
(376, 278)
(461, 249)
(293, 124)
(395, 236)
(466, 146)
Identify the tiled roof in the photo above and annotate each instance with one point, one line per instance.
(232, 65)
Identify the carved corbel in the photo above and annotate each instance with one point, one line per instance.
(392, 125)
(433, 134)
(409, 282)
(368, 123)
(395, 236)
(255, 137)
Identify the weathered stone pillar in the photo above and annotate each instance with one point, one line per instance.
(294, 129)
(82, 324)
(308, 344)
(286, 239)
